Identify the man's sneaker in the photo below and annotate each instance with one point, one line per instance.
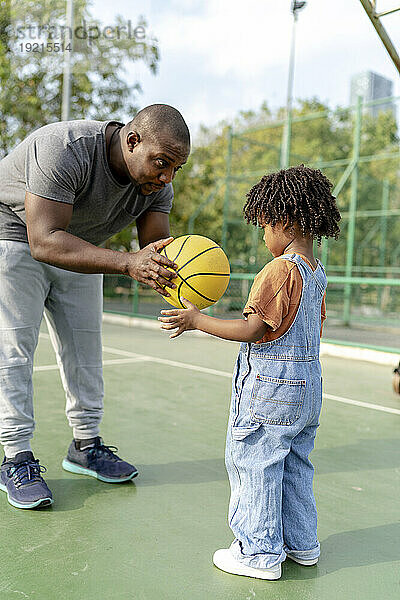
(21, 479)
(224, 560)
(92, 457)
(304, 561)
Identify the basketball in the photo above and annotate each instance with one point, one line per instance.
(203, 270)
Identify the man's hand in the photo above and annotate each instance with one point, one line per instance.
(47, 221)
(180, 319)
(149, 267)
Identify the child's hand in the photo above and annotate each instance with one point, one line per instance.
(180, 319)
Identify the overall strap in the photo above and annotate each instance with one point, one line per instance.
(318, 275)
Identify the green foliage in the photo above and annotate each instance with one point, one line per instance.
(30, 96)
(31, 82)
(256, 150)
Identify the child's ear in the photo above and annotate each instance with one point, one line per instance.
(286, 225)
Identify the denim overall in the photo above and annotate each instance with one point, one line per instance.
(275, 407)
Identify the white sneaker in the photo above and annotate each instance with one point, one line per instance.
(303, 561)
(224, 560)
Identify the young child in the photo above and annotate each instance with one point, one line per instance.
(277, 385)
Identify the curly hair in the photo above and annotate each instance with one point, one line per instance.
(298, 195)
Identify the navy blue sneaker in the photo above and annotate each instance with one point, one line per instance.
(92, 457)
(21, 479)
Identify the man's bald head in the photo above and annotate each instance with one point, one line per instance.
(161, 121)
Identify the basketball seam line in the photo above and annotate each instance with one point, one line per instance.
(180, 249)
(165, 252)
(178, 293)
(215, 274)
(197, 255)
(192, 288)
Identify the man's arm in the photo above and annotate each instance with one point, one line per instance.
(47, 221)
(152, 226)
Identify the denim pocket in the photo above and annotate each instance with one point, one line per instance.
(277, 401)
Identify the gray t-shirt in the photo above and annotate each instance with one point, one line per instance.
(67, 162)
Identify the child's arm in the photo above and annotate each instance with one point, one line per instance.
(251, 329)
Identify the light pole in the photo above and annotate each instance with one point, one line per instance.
(66, 89)
(285, 148)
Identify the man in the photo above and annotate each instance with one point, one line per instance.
(67, 188)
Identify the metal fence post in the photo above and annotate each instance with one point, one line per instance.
(324, 251)
(385, 207)
(352, 210)
(66, 88)
(135, 299)
(207, 201)
(254, 249)
(227, 189)
(382, 245)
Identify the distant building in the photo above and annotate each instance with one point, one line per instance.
(372, 86)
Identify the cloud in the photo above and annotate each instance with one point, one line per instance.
(230, 35)
(222, 56)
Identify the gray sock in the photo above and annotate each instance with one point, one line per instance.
(86, 444)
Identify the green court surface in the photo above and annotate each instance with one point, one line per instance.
(154, 538)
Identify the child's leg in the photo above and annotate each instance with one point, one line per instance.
(299, 514)
(255, 468)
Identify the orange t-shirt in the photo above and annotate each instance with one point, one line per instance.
(275, 297)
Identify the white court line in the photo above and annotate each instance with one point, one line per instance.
(393, 411)
(173, 363)
(45, 368)
(122, 361)
(114, 361)
(122, 352)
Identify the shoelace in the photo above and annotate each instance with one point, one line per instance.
(102, 450)
(26, 472)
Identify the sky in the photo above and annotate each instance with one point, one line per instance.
(219, 57)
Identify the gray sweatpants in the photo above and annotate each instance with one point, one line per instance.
(73, 305)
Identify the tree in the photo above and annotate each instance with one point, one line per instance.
(256, 150)
(31, 81)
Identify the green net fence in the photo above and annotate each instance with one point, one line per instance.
(360, 155)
